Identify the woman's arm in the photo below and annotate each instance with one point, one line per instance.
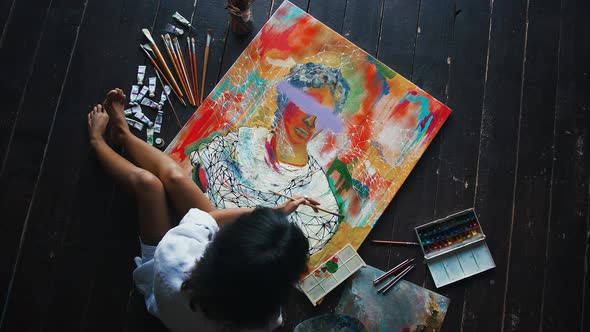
(225, 216)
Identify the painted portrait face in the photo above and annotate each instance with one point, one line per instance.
(299, 123)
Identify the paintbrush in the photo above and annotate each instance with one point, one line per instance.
(315, 207)
(147, 49)
(170, 102)
(160, 57)
(392, 271)
(194, 65)
(205, 59)
(396, 242)
(183, 67)
(395, 280)
(176, 64)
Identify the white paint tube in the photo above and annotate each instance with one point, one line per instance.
(143, 118)
(134, 94)
(135, 124)
(181, 19)
(132, 110)
(158, 122)
(150, 103)
(152, 86)
(140, 74)
(165, 94)
(150, 136)
(141, 94)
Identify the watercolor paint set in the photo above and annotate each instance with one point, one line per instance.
(454, 247)
(331, 273)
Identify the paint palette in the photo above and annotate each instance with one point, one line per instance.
(454, 247)
(331, 273)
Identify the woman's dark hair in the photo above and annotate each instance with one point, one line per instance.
(247, 270)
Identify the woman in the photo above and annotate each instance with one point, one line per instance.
(218, 269)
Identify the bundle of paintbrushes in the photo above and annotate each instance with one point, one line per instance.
(404, 267)
(185, 67)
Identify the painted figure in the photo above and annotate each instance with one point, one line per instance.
(247, 167)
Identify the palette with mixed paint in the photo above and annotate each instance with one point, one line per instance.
(331, 273)
(454, 247)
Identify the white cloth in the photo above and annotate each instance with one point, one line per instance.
(160, 278)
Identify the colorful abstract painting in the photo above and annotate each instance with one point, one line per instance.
(404, 308)
(304, 112)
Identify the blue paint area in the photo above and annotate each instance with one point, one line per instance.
(423, 122)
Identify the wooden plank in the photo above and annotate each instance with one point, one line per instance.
(365, 36)
(565, 307)
(31, 129)
(384, 256)
(19, 46)
(459, 144)
(299, 307)
(526, 250)
(398, 35)
(396, 47)
(70, 243)
(362, 22)
(303, 4)
(494, 197)
(236, 44)
(415, 201)
(6, 8)
(329, 12)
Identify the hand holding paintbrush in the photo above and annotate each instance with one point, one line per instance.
(309, 202)
(293, 203)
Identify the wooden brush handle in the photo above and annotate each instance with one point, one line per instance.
(166, 69)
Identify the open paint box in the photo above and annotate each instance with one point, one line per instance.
(454, 247)
(331, 273)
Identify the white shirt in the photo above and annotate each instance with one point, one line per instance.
(161, 278)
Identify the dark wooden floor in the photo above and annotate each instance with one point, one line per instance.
(516, 74)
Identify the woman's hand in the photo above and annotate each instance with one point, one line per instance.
(291, 205)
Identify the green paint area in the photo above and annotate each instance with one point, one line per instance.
(382, 69)
(356, 94)
(332, 266)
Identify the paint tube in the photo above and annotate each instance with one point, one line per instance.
(135, 124)
(141, 94)
(152, 86)
(134, 93)
(150, 103)
(165, 94)
(181, 19)
(159, 142)
(158, 122)
(143, 118)
(132, 110)
(140, 74)
(150, 135)
(170, 28)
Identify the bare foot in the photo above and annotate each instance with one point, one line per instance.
(97, 124)
(114, 104)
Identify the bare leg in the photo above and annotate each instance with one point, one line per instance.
(154, 219)
(181, 189)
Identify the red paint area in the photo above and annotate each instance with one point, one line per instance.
(208, 119)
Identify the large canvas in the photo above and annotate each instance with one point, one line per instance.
(304, 112)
